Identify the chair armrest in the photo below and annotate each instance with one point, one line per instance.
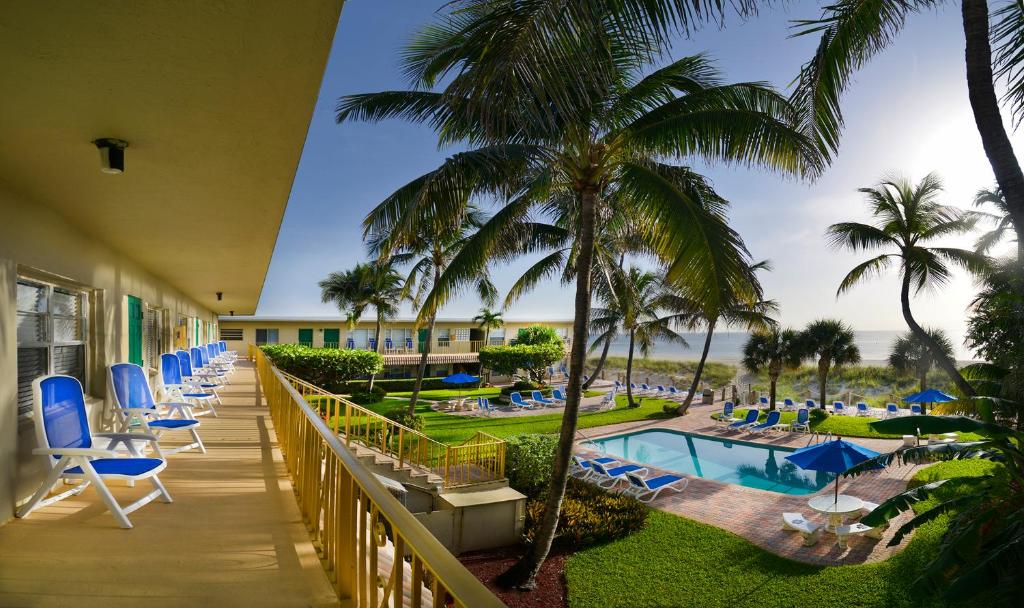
(127, 436)
(93, 452)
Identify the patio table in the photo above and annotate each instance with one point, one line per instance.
(836, 508)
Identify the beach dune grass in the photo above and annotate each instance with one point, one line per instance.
(715, 374)
(875, 385)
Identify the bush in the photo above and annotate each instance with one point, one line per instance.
(532, 358)
(817, 415)
(519, 387)
(401, 416)
(528, 460)
(538, 334)
(324, 367)
(590, 515)
(365, 396)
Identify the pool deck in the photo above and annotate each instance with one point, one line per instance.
(757, 514)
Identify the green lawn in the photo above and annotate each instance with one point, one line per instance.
(450, 428)
(843, 426)
(449, 393)
(701, 565)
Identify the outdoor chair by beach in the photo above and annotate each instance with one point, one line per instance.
(838, 408)
(787, 404)
(751, 418)
(915, 409)
(802, 422)
(137, 408)
(539, 399)
(485, 406)
(810, 404)
(608, 477)
(558, 396)
(892, 410)
(862, 409)
(176, 389)
(517, 400)
(608, 399)
(727, 414)
(582, 468)
(763, 401)
(769, 424)
(350, 343)
(63, 436)
(646, 490)
(798, 523)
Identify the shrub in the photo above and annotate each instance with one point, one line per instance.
(324, 367)
(532, 358)
(817, 415)
(519, 387)
(401, 415)
(365, 395)
(528, 460)
(538, 334)
(590, 515)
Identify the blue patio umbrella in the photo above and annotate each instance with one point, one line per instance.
(460, 379)
(831, 457)
(929, 396)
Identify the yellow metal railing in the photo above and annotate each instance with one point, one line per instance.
(375, 552)
(479, 460)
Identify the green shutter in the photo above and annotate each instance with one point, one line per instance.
(134, 330)
(332, 338)
(306, 337)
(197, 332)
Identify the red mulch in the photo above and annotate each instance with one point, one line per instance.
(550, 591)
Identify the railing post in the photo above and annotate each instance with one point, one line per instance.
(401, 451)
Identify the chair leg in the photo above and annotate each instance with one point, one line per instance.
(105, 495)
(195, 435)
(43, 490)
(164, 494)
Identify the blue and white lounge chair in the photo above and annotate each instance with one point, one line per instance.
(802, 422)
(558, 396)
(646, 490)
(892, 410)
(751, 418)
(484, 404)
(137, 408)
(608, 400)
(62, 432)
(618, 385)
(188, 376)
(646, 390)
(727, 414)
(810, 404)
(772, 421)
(539, 399)
(607, 477)
(838, 408)
(350, 343)
(204, 371)
(763, 401)
(408, 344)
(787, 404)
(582, 468)
(220, 359)
(915, 409)
(517, 400)
(224, 350)
(373, 344)
(862, 409)
(176, 389)
(389, 345)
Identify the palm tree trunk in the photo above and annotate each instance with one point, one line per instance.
(823, 366)
(629, 369)
(697, 372)
(600, 363)
(985, 105)
(924, 381)
(421, 369)
(941, 359)
(523, 574)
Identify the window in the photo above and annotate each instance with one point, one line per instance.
(52, 330)
(461, 334)
(266, 336)
(231, 334)
(152, 336)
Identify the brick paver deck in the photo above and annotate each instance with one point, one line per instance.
(757, 514)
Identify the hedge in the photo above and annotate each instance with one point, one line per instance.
(534, 358)
(325, 367)
(528, 461)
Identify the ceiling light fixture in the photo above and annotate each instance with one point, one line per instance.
(111, 154)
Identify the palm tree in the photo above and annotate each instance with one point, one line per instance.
(772, 350)
(487, 320)
(1002, 220)
(832, 343)
(613, 132)
(912, 356)
(375, 284)
(906, 217)
(853, 32)
(429, 250)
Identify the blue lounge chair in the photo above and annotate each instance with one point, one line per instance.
(787, 404)
(176, 389)
(484, 404)
(862, 409)
(539, 398)
(215, 360)
(63, 436)
(751, 418)
(646, 390)
(135, 404)
(517, 400)
(608, 477)
(558, 396)
(810, 404)
(771, 422)
(408, 344)
(373, 344)
(224, 349)
(389, 344)
(582, 468)
(915, 409)
(188, 376)
(891, 410)
(838, 408)
(727, 414)
(802, 422)
(201, 370)
(350, 343)
(646, 490)
(618, 385)
(764, 402)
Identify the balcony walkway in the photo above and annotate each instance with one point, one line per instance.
(232, 537)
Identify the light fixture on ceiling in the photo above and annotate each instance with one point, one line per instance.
(111, 154)
(220, 296)
(231, 312)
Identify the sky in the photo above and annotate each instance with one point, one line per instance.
(906, 112)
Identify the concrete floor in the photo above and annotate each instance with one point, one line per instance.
(232, 537)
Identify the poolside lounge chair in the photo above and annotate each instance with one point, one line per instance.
(810, 404)
(608, 399)
(915, 409)
(727, 414)
(608, 477)
(62, 432)
(582, 468)
(751, 418)
(517, 400)
(135, 403)
(217, 357)
(838, 408)
(176, 389)
(787, 404)
(539, 399)
(770, 423)
(645, 390)
(862, 409)
(558, 396)
(485, 406)
(646, 490)
(797, 522)
(763, 401)
(802, 422)
(892, 410)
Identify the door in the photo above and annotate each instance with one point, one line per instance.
(134, 330)
(332, 338)
(421, 337)
(306, 337)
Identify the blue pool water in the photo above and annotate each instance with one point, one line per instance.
(746, 464)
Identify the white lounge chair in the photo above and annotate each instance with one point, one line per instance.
(646, 490)
(62, 431)
(811, 532)
(583, 469)
(135, 404)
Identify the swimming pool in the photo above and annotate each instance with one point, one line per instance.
(747, 464)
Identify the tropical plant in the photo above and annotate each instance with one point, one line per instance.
(375, 284)
(534, 359)
(538, 334)
(429, 250)
(853, 31)
(772, 350)
(912, 356)
(981, 551)
(324, 367)
(613, 137)
(487, 320)
(831, 342)
(1001, 219)
(907, 217)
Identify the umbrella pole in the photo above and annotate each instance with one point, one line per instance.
(837, 490)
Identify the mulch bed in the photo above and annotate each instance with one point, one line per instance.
(550, 591)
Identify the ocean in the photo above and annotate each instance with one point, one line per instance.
(727, 346)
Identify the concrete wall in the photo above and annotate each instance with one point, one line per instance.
(36, 240)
